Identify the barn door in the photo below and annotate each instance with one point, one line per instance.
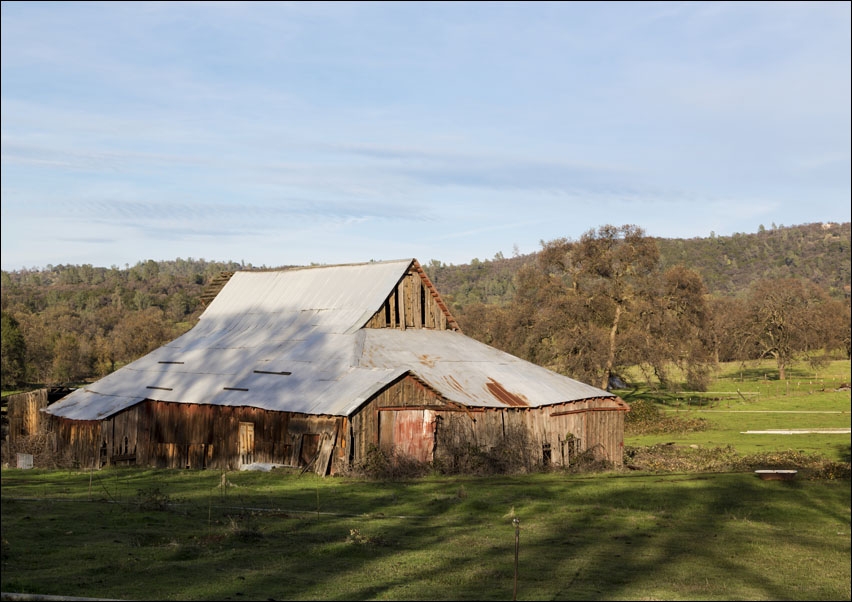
(246, 443)
(408, 432)
(309, 449)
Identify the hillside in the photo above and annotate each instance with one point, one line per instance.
(727, 264)
(67, 323)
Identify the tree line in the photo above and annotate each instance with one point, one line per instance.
(66, 324)
(595, 307)
(589, 308)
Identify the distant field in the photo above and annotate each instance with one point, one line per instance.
(750, 400)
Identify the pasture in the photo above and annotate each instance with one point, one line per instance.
(134, 533)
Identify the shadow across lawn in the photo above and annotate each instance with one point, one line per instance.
(594, 537)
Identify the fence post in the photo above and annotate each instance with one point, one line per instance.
(517, 524)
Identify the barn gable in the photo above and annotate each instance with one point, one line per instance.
(323, 345)
(413, 303)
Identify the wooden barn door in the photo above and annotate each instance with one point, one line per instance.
(409, 432)
(246, 443)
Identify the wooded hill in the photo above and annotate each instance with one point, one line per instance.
(67, 323)
(728, 265)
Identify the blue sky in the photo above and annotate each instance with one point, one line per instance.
(298, 133)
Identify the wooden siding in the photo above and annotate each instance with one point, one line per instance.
(406, 393)
(80, 439)
(406, 416)
(562, 431)
(23, 413)
(414, 303)
(176, 435)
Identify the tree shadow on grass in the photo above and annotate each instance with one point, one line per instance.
(593, 537)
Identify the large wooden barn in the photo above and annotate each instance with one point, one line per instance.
(312, 367)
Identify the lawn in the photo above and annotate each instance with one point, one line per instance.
(744, 400)
(195, 535)
(135, 533)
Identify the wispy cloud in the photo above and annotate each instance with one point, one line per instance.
(333, 131)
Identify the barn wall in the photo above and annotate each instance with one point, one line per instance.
(558, 433)
(407, 415)
(406, 393)
(23, 415)
(176, 435)
(593, 425)
(79, 439)
(413, 304)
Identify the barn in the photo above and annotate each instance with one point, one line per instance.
(314, 368)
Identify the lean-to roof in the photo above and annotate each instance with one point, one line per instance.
(294, 341)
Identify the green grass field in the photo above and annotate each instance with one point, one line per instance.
(744, 400)
(134, 533)
(181, 535)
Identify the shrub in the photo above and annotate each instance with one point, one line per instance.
(42, 447)
(389, 465)
(675, 458)
(513, 454)
(591, 460)
(644, 418)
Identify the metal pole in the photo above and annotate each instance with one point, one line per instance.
(517, 524)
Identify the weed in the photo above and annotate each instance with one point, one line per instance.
(390, 465)
(244, 527)
(152, 499)
(677, 458)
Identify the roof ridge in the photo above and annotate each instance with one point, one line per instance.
(294, 268)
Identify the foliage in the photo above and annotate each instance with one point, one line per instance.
(728, 265)
(391, 465)
(676, 458)
(513, 454)
(41, 445)
(784, 318)
(592, 308)
(74, 323)
(153, 498)
(458, 456)
(81, 322)
(13, 353)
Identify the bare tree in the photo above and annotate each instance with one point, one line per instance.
(786, 317)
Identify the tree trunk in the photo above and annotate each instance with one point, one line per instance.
(611, 357)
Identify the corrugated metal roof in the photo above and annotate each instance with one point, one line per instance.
(292, 341)
(469, 372)
(334, 298)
